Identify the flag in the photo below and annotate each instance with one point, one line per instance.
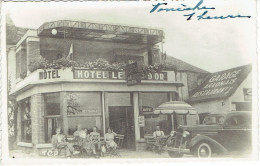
(70, 55)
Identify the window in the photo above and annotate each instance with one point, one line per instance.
(238, 121)
(151, 121)
(52, 104)
(52, 118)
(153, 100)
(26, 125)
(149, 102)
(83, 108)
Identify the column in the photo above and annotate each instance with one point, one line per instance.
(136, 114)
(103, 112)
(19, 124)
(141, 113)
(37, 119)
(106, 109)
(63, 109)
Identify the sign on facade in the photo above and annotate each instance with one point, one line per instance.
(247, 94)
(133, 75)
(141, 121)
(221, 84)
(49, 74)
(96, 74)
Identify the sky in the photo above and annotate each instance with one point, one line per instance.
(212, 45)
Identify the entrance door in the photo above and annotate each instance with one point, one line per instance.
(121, 121)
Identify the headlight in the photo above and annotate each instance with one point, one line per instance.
(185, 134)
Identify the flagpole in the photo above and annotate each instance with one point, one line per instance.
(64, 42)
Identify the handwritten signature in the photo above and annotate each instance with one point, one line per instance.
(196, 8)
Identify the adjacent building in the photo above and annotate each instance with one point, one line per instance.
(224, 91)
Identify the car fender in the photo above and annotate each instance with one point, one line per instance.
(202, 138)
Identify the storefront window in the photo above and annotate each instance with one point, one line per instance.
(26, 121)
(149, 102)
(153, 100)
(52, 118)
(85, 109)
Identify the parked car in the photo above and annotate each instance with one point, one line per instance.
(233, 135)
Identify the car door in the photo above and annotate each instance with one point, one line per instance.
(236, 133)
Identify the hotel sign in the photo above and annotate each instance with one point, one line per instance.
(116, 75)
(52, 74)
(97, 74)
(49, 74)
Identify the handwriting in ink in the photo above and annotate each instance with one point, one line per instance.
(194, 9)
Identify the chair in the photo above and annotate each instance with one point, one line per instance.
(150, 141)
(78, 145)
(119, 139)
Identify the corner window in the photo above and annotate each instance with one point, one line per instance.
(52, 118)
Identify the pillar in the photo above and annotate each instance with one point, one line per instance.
(136, 115)
(37, 119)
(63, 109)
(19, 122)
(103, 112)
(106, 109)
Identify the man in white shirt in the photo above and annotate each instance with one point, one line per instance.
(158, 132)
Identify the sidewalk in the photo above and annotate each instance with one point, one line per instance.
(124, 154)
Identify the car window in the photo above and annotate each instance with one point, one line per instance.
(213, 119)
(237, 121)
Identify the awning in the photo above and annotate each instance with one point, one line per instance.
(100, 32)
(175, 106)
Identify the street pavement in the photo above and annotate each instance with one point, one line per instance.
(123, 153)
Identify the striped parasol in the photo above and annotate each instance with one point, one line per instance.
(178, 107)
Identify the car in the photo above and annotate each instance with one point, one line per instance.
(232, 135)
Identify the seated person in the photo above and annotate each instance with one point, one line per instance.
(58, 142)
(79, 134)
(158, 132)
(109, 139)
(83, 139)
(171, 138)
(95, 140)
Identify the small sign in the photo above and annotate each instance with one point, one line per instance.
(81, 112)
(141, 121)
(133, 76)
(247, 94)
(147, 109)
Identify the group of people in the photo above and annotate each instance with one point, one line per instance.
(89, 142)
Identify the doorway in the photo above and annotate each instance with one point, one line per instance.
(121, 121)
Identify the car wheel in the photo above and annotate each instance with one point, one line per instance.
(203, 150)
(175, 154)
